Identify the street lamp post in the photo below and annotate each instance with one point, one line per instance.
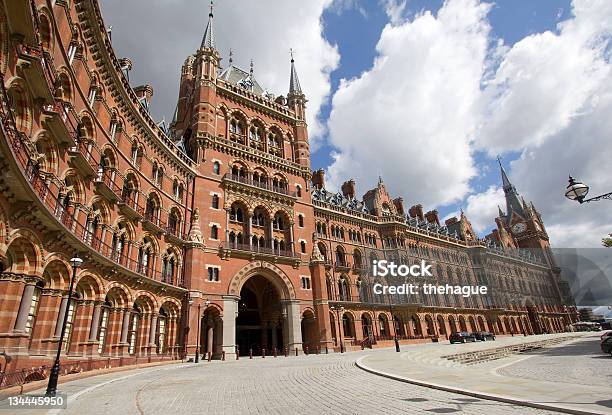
(397, 346)
(53, 377)
(577, 191)
(339, 309)
(197, 350)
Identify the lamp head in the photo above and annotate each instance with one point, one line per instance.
(76, 262)
(576, 190)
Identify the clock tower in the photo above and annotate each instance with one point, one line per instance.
(521, 223)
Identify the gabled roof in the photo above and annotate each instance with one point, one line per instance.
(244, 79)
(338, 200)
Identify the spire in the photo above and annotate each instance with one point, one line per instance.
(500, 212)
(252, 68)
(231, 57)
(513, 204)
(208, 41)
(294, 82)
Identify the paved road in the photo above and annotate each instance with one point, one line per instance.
(304, 385)
(580, 362)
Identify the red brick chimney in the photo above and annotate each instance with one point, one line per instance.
(432, 217)
(416, 211)
(348, 189)
(318, 179)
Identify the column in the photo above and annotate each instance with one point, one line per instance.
(230, 309)
(294, 332)
(291, 240)
(271, 230)
(60, 317)
(95, 322)
(250, 231)
(227, 218)
(153, 333)
(274, 335)
(24, 307)
(209, 336)
(125, 326)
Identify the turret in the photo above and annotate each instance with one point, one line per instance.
(296, 101)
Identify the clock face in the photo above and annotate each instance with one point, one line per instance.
(519, 228)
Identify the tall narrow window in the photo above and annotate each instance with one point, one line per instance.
(92, 95)
(161, 333)
(216, 167)
(133, 333)
(72, 48)
(103, 327)
(215, 202)
(69, 325)
(32, 311)
(214, 232)
(113, 129)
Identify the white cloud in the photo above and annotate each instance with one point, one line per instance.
(410, 116)
(482, 208)
(160, 38)
(395, 10)
(442, 88)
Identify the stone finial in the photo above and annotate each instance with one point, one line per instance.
(195, 233)
(316, 256)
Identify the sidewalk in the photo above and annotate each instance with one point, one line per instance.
(425, 366)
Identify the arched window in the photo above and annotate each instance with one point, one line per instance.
(216, 167)
(236, 214)
(255, 140)
(303, 247)
(298, 191)
(343, 289)
(340, 257)
(32, 310)
(214, 232)
(215, 202)
(103, 326)
(278, 223)
(145, 257)
(133, 329)
(237, 131)
(160, 341)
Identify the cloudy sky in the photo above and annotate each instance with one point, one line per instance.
(425, 93)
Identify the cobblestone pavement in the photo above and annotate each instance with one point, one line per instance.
(580, 362)
(326, 384)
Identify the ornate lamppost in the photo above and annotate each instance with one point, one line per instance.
(577, 191)
(76, 262)
(338, 310)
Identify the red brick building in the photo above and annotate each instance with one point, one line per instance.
(213, 234)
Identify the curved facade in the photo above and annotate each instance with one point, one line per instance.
(213, 234)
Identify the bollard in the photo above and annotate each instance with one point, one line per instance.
(319, 349)
(263, 353)
(237, 353)
(275, 352)
(296, 351)
(305, 350)
(250, 353)
(326, 350)
(223, 356)
(209, 356)
(286, 351)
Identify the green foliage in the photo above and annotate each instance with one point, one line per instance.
(607, 242)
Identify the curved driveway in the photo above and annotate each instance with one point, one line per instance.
(326, 384)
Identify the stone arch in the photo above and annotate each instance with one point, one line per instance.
(146, 301)
(119, 294)
(45, 29)
(57, 272)
(24, 252)
(90, 285)
(47, 151)
(21, 105)
(274, 274)
(171, 305)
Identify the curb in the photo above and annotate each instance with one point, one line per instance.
(40, 384)
(475, 394)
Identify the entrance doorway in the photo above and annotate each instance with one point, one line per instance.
(259, 324)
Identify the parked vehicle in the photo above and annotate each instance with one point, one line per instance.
(606, 334)
(606, 344)
(461, 337)
(483, 335)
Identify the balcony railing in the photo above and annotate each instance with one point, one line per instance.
(107, 184)
(131, 207)
(260, 250)
(83, 158)
(257, 183)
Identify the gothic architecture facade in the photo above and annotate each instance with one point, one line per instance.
(213, 234)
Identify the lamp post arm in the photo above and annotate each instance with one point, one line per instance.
(607, 196)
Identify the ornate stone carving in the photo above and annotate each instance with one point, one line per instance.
(195, 233)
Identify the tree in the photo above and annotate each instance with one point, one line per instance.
(607, 242)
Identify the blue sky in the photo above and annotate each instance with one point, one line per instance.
(356, 29)
(419, 99)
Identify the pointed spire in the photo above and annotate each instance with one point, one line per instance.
(513, 204)
(208, 41)
(231, 57)
(294, 82)
(500, 212)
